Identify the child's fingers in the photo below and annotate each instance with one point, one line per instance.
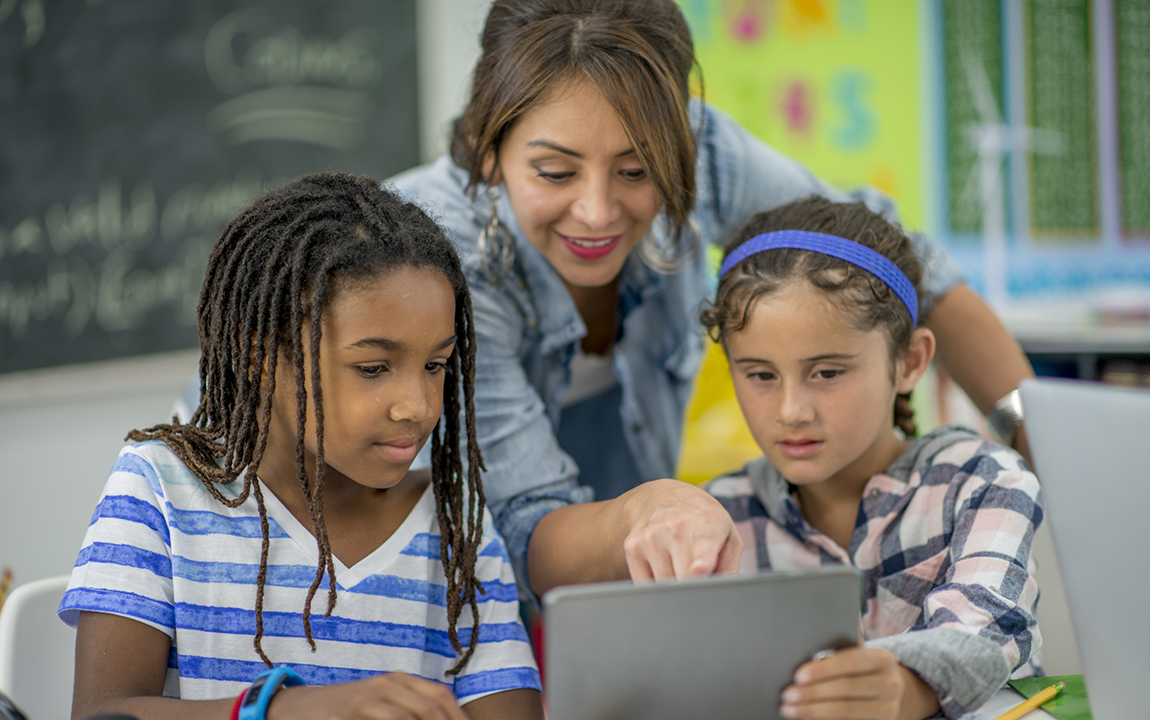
(854, 684)
(851, 661)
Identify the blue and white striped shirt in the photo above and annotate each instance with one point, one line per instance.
(161, 550)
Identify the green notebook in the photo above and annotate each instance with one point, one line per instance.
(1070, 704)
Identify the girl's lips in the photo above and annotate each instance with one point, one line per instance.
(403, 451)
(591, 249)
(800, 448)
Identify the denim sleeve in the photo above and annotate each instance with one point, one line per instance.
(528, 474)
(749, 176)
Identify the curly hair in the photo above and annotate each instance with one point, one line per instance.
(275, 268)
(865, 299)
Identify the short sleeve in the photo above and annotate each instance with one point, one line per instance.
(125, 564)
(503, 659)
(528, 474)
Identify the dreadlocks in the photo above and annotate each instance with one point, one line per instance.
(272, 271)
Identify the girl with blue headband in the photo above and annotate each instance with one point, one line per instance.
(817, 310)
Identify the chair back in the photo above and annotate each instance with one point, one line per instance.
(37, 650)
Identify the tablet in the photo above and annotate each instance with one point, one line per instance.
(715, 647)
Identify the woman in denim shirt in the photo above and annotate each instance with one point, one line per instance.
(579, 165)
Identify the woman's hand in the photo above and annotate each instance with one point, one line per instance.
(395, 696)
(662, 529)
(858, 683)
(674, 529)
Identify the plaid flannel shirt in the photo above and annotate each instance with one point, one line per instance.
(942, 540)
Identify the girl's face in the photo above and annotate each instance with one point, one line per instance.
(382, 356)
(576, 185)
(818, 394)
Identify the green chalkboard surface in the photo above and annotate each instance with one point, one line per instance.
(131, 131)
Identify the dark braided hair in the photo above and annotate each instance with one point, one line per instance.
(276, 267)
(865, 299)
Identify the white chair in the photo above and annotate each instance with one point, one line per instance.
(37, 650)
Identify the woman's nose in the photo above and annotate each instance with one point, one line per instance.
(596, 207)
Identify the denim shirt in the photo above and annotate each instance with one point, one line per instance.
(528, 328)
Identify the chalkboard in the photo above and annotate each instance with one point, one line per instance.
(131, 131)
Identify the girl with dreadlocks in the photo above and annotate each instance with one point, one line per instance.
(336, 338)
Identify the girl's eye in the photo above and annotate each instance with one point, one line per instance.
(635, 174)
(829, 374)
(555, 177)
(435, 367)
(762, 376)
(371, 371)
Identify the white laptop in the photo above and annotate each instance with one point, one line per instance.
(717, 647)
(1091, 450)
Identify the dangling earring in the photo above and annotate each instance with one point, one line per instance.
(670, 255)
(496, 246)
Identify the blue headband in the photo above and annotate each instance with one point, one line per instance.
(852, 252)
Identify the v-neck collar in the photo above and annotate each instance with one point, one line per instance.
(377, 560)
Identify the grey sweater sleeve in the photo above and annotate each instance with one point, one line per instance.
(964, 669)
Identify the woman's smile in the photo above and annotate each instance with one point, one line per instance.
(589, 248)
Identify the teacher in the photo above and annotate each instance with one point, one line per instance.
(582, 183)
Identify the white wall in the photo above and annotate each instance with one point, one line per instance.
(60, 431)
(448, 48)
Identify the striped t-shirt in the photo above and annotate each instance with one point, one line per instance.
(161, 550)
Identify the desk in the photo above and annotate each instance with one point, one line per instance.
(1000, 702)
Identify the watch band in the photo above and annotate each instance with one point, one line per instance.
(254, 706)
(1002, 422)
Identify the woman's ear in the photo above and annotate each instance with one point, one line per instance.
(491, 173)
(916, 360)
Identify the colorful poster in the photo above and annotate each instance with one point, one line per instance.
(832, 83)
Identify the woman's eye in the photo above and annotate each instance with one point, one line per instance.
(555, 177)
(762, 376)
(435, 367)
(636, 174)
(371, 370)
(829, 374)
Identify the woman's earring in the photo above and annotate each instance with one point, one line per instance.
(670, 254)
(496, 246)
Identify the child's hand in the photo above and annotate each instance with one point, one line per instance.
(857, 683)
(382, 697)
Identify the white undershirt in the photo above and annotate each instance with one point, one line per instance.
(590, 375)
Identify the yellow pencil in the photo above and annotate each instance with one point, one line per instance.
(1033, 702)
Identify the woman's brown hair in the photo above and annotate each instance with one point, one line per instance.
(637, 53)
(867, 301)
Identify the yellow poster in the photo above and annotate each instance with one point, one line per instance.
(835, 85)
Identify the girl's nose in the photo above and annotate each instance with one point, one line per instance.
(413, 400)
(596, 207)
(795, 405)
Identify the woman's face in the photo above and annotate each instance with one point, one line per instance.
(576, 185)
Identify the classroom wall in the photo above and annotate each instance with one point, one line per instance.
(60, 428)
